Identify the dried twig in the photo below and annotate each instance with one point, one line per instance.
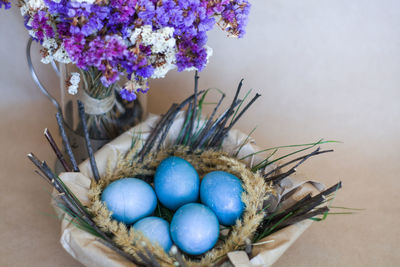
(227, 129)
(66, 143)
(302, 159)
(56, 150)
(154, 134)
(293, 220)
(230, 112)
(89, 148)
(194, 110)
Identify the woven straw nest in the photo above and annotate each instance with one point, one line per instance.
(204, 162)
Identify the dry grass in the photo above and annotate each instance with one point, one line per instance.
(204, 162)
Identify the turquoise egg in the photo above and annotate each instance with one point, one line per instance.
(194, 228)
(129, 199)
(222, 193)
(156, 230)
(176, 183)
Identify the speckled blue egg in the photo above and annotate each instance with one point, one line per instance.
(222, 193)
(156, 230)
(129, 199)
(194, 228)
(176, 183)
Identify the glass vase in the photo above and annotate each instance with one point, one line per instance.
(107, 114)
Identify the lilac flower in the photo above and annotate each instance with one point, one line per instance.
(146, 11)
(6, 3)
(121, 16)
(105, 54)
(127, 95)
(139, 38)
(41, 26)
(83, 17)
(235, 16)
(26, 22)
(191, 54)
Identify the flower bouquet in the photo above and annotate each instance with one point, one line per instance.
(109, 49)
(106, 216)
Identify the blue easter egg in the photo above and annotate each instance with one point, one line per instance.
(156, 230)
(129, 199)
(222, 193)
(176, 183)
(194, 228)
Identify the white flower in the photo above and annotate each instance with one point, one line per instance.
(161, 71)
(36, 4)
(32, 33)
(32, 5)
(50, 43)
(147, 35)
(24, 10)
(46, 60)
(210, 52)
(74, 81)
(54, 52)
(163, 47)
(75, 78)
(61, 55)
(135, 35)
(73, 89)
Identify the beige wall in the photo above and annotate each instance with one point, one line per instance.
(325, 69)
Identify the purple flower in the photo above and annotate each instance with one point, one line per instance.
(98, 35)
(74, 47)
(82, 17)
(235, 16)
(127, 95)
(6, 3)
(192, 53)
(41, 27)
(146, 11)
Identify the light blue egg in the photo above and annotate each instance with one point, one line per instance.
(194, 228)
(222, 193)
(176, 183)
(156, 230)
(129, 199)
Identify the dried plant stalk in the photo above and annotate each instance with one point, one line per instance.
(204, 162)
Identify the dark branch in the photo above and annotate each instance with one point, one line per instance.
(89, 148)
(66, 143)
(56, 150)
(302, 160)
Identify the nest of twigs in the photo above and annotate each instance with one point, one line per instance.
(200, 142)
(232, 238)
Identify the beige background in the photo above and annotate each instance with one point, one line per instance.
(326, 69)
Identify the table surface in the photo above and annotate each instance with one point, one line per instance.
(29, 230)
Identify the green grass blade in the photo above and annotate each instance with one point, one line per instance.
(245, 141)
(345, 208)
(272, 228)
(287, 155)
(265, 160)
(184, 126)
(289, 146)
(200, 107)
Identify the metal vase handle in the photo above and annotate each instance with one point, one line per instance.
(77, 141)
(36, 78)
(131, 114)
